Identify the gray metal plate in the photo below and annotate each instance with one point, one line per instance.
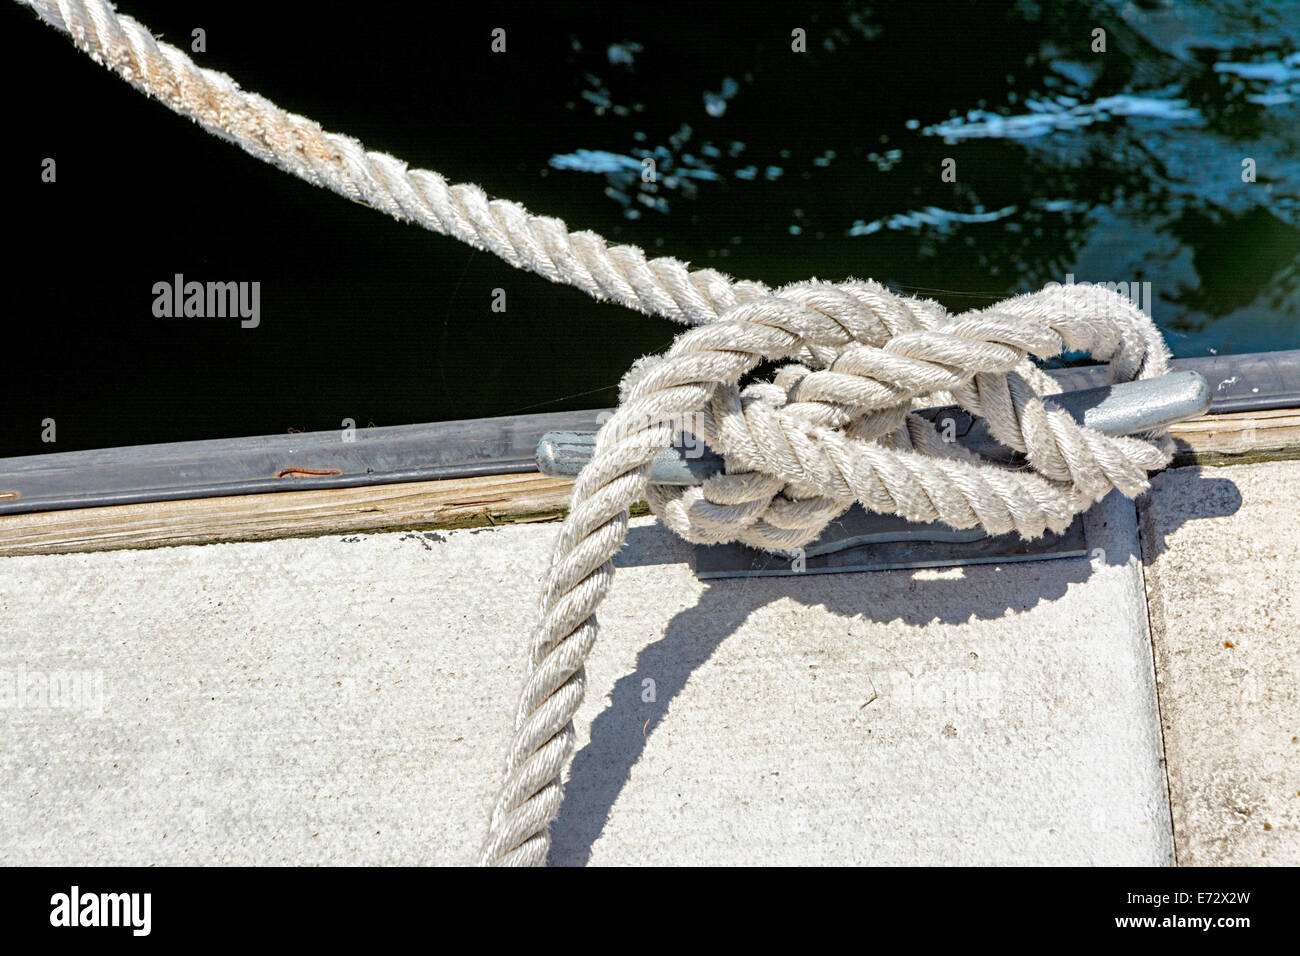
(236, 466)
(299, 462)
(861, 541)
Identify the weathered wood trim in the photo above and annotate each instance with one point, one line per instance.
(453, 503)
(1237, 438)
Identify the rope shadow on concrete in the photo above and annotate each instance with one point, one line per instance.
(621, 733)
(1216, 498)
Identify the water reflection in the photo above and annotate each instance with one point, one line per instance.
(1168, 156)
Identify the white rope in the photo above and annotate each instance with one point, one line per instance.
(833, 428)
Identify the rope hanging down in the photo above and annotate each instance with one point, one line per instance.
(833, 427)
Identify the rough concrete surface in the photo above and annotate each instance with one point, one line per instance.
(1223, 563)
(347, 700)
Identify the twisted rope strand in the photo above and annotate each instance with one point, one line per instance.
(297, 145)
(776, 449)
(835, 427)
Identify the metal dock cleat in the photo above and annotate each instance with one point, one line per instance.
(860, 540)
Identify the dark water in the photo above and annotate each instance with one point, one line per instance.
(1117, 166)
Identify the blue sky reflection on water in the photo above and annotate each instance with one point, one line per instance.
(1117, 166)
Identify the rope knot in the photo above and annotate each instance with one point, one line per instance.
(835, 425)
(839, 425)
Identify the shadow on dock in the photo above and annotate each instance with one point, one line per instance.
(985, 592)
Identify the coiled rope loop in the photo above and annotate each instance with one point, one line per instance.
(802, 448)
(834, 426)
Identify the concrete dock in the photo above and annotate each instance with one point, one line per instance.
(346, 699)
